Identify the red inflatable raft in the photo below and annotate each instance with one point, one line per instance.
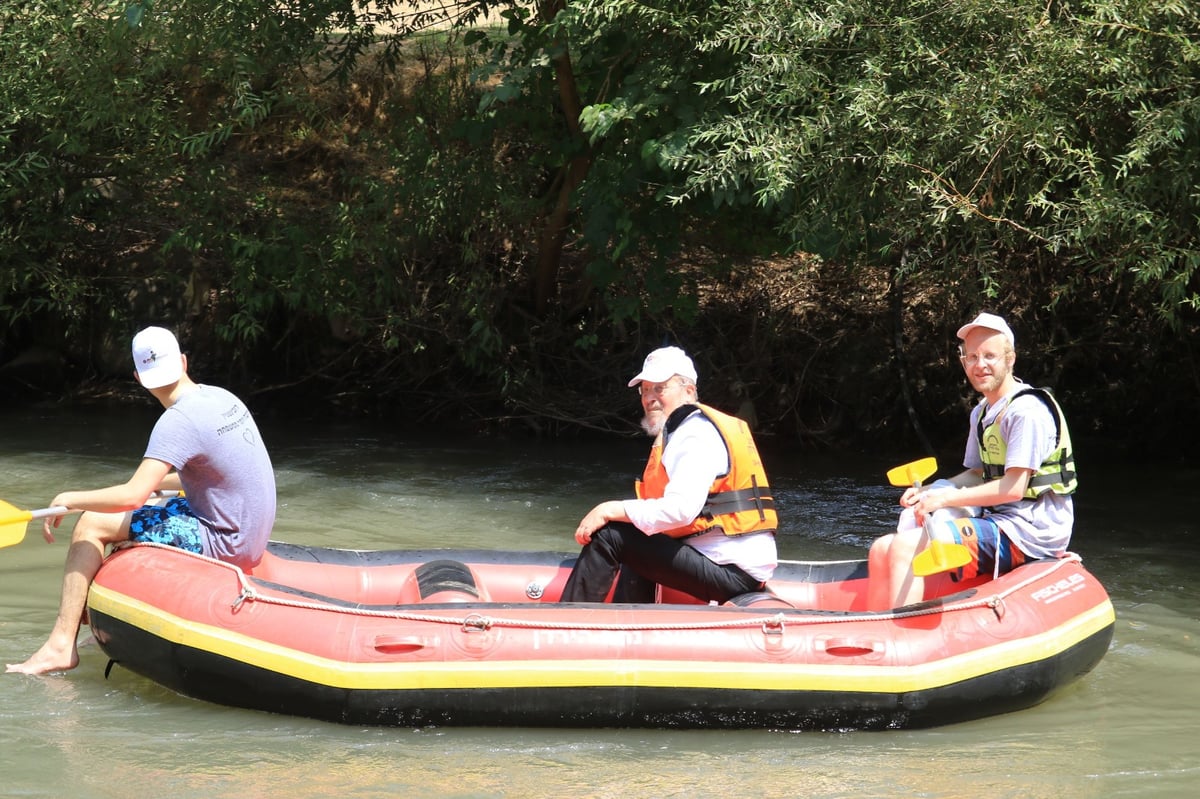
(444, 637)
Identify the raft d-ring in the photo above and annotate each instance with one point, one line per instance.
(247, 593)
(998, 607)
(773, 626)
(476, 623)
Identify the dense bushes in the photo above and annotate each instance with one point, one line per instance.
(491, 230)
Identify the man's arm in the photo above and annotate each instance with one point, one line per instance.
(1009, 488)
(151, 475)
(611, 511)
(133, 493)
(693, 458)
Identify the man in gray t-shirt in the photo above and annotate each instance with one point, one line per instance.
(210, 438)
(207, 445)
(1011, 503)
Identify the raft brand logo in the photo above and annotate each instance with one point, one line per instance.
(1055, 592)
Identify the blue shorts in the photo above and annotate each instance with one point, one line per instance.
(988, 547)
(172, 524)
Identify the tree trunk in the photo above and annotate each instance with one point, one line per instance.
(552, 237)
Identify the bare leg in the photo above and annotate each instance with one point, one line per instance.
(879, 577)
(908, 587)
(92, 533)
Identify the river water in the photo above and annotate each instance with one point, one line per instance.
(1130, 728)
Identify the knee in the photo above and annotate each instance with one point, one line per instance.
(610, 536)
(605, 533)
(904, 545)
(100, 528)
(603, 544)
(86, 528)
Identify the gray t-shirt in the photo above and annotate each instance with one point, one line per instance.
(1041, 528)
(211, 439)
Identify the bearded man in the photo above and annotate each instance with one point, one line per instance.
(703, 520)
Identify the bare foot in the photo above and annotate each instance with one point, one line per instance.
(46, 660)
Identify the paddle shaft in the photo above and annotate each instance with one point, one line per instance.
(62, 510)
(56, 510)
(13, 521)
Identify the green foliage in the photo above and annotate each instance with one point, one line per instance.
(634, 69)
(107, 112)
(340, 194)
(982, 133)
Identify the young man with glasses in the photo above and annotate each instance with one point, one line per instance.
(1012, 503)
(703, 521)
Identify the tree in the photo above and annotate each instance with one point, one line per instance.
(977, 137)
(107, 113)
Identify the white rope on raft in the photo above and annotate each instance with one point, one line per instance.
(475, 620)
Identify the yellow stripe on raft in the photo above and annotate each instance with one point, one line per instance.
(627, 672)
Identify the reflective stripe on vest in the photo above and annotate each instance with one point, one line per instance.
(1057, 472)
(738, 502)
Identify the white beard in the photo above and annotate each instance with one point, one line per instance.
(653, 423)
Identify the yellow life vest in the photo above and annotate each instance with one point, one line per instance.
(1057, 472)
(739, 501)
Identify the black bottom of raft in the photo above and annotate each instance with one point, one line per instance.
(204, 675)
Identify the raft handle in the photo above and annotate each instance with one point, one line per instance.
(846, 647)
(399, 644)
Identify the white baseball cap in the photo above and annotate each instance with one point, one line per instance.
(663, 364)
(991, 322)
(157, 358)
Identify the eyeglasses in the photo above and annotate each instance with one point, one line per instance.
(975, 358)
(658, 390)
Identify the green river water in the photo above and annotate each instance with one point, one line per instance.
(1130, 728)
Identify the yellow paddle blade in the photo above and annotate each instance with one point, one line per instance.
(913, 473)
(13, 522)
(940, 556)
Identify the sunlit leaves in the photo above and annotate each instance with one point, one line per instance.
(997, 130)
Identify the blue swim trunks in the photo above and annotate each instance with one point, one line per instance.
(172, 524)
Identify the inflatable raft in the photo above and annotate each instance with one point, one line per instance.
(418, 638)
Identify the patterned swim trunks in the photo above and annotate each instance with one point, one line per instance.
(991, 550)
(172, 524)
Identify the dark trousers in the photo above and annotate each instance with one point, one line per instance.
(644, 560)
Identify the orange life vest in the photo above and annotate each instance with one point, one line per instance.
(739, 501)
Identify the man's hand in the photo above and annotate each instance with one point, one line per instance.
(50, 522)
(596, 518)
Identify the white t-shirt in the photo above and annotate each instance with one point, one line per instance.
(694, 457)
(1041, 528)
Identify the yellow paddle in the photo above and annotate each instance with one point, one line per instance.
(913, 474)
(14, 520)
(939, 556)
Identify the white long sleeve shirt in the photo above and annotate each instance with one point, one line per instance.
(694, 457)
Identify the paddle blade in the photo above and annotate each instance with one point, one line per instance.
(913, 473)
(940, 556)
(13, 522)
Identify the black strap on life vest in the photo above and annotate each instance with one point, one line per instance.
(755, 498)
(1064, 475)
(675, 419)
